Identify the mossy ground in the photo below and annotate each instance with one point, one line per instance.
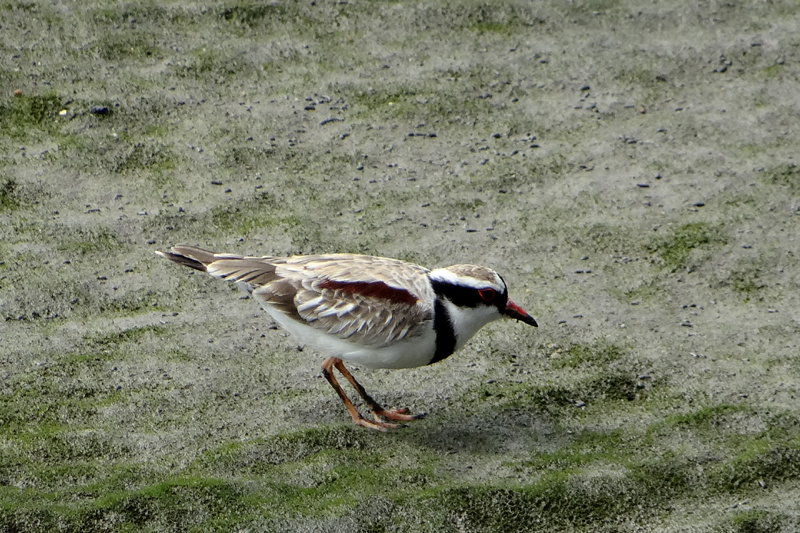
(630, 169)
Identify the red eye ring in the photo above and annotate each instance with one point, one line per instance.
(487, 295)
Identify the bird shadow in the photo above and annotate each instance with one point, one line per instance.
(494, 432)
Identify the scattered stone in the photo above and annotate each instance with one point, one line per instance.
(643, 185)
(329, 120)
(98, 110)
(216, 182)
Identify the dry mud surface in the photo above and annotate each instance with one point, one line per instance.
(629, 167)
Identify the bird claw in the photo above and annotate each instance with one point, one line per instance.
(377, 424)
(400, 415)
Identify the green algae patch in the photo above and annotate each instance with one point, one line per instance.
(9, 195)
(674, 250)
(601, 353)
(24, 116)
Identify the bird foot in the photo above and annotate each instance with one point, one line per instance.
(401, 415)
(377, 424)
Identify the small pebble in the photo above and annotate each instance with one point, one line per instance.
(643, 185)
(216, 182)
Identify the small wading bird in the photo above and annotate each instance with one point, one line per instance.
(372, 311)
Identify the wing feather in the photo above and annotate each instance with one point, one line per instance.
(371, 301)
(366, 300)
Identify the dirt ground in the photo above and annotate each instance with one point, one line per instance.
(628, 167)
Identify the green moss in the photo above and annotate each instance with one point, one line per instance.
(759, 521)
(250, 13)
(705, 417)
(675, 249)
(153, 158)
(772, 71)
(600, 353)
(127, 45)
(759, 460)
(786, 175)
(746, 280)
(9, 197)
(23, 115)
(114, 339)
(89, 241)
(243, 219)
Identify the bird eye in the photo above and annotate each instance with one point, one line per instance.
(487, 295)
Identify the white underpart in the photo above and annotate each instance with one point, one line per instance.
(468, 320)
(409, 353)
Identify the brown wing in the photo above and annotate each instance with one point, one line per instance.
(372, 301)
(367, 300)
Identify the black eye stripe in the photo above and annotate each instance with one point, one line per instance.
(467, 296)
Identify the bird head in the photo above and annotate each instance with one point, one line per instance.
(474, 296)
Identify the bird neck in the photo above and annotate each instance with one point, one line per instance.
(466, 321)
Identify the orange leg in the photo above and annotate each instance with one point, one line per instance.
(374, 407)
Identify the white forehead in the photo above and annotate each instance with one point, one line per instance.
(472, 276)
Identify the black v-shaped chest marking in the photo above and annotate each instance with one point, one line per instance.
(445, 334)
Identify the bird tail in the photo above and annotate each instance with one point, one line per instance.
(252, 271)
(190, 256)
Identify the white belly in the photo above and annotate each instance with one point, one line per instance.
(410, 353)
